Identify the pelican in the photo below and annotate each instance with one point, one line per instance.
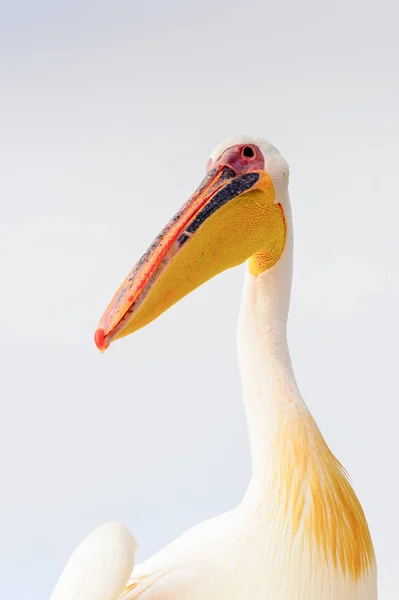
(300, 532)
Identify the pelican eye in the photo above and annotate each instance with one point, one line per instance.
(248, 152)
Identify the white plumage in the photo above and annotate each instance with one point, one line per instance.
(99, 567)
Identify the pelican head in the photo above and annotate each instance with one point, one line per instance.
(235, 214)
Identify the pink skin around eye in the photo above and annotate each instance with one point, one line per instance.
(235, 158)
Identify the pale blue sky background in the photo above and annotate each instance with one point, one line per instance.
(108, 114)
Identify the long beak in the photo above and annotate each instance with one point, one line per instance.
(194, 246)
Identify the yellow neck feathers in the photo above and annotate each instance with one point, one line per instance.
(318, 503)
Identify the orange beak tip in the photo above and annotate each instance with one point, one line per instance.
(99, 338)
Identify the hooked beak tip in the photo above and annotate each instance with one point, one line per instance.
(99, 338)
